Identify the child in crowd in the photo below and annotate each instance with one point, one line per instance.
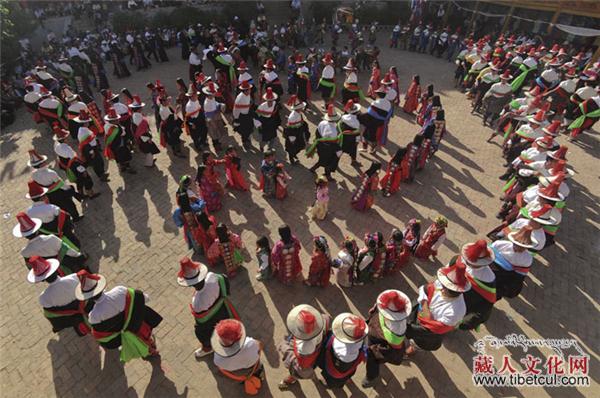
(263, 255)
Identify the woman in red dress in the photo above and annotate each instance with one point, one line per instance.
(390, 183)
(432, 238)
(411, 99)
(320, 264)
(286, 257)
(281, 182)
(374, 81)
(235, 179)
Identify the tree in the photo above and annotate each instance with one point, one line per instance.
(16, 24)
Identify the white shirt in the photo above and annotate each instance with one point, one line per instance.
(270, 76)
(532, 155)
(530, 62)
(391, 94)
(500, 88)
(244, 77)
(351, 121)
(327, 129)
(537, 234)
(211, 106)
(64, 67)
(45, 176)
(77, 106)
(32, 97)
(46, 212)
(346, 352)
(45, 246)
(243, 100)
(121, 108)
(382, 103)
(164, 112)
(449, 311)
(293, 118)
(484, 274)
(584, 93)
(85, 132)
(520, 259)
(194, 59)
(49, 103)
(191, 107)
(205, 298)
(137, 118)
(351, 78)
(245, 358)
(60, 292)
(550, 75)
(108, 305)
(328, 72)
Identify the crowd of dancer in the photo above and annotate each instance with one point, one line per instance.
(461, 297)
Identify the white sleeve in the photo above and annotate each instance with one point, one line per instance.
(365, 261)
(422, 295)
(439, 242)
(263, 262)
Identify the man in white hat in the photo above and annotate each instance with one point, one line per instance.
(327, 143)
(119, 318)
(213, 112)
(47, 246)
(349, 127)
(55, 221)
(90, 150)
(302, 77)
(512, 262)
(222, 61)
(194, 119)
(31, 101)
(170, 125)
(480, 299)
(267, 119)
(496, 98)
(387, 326)
(295, 132)
(440, 308)
(141, 131)
(327, 81)
(238, 356)
(351, 89)
(69, 162)
(210, 303)
(375, 121)
(269, 78)
(116, 145)
(243, 111)
(73, 110)
(58, 300)
(51, 108)
(59, 193)
(344, 349)
(300, 350)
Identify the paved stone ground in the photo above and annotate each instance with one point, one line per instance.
(131, 239)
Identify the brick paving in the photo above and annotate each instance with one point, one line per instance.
(131, 239)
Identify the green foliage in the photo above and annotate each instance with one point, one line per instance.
(388, 13)
(16, 24)
(125, 20)
(323, 9)
(182, 17)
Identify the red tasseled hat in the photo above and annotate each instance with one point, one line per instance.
(35, 190)
(242, 66)
(553, 128)
(292, 100)
(393, 301)
(477, 253)
(560, 153)
(229, 331)
(269, 64)
(308, 321)
(454, 277)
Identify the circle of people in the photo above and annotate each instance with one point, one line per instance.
(461, 297)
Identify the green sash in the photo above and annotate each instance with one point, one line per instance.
(518, 82)
(577, 123)
(311, 149)
(132, 345)
(231, 70)
(328, 84)
(390, 337)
